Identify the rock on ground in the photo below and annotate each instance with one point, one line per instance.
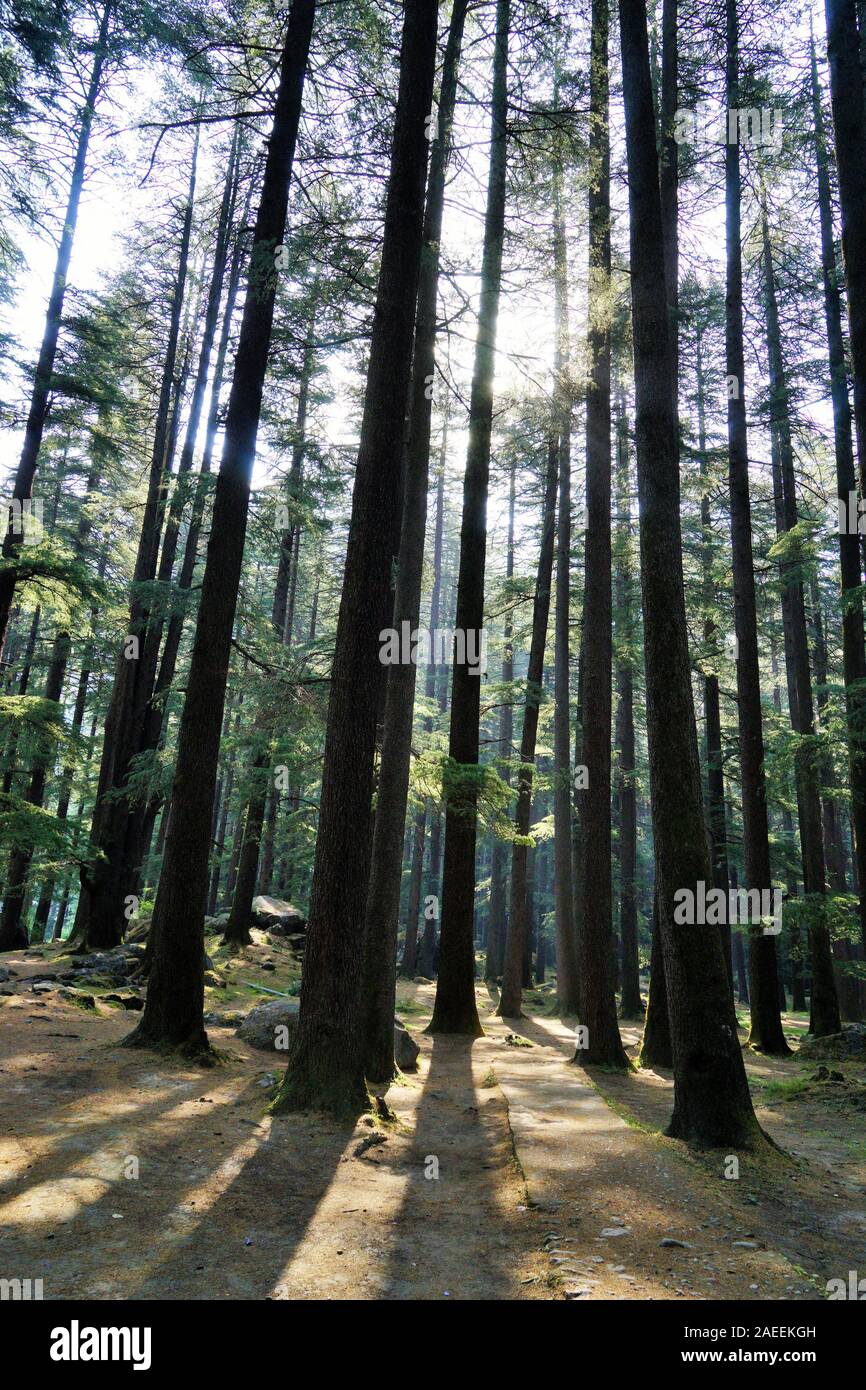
(263, 1025)
(851, 1042)
(406, 1050)
(277, 916)
(261, 1028)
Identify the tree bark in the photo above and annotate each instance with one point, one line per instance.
(326, 1065)
(100, 917)
(766, 1023)
(173, 1012)
(563, 885)
(455, 1010)
(712, 1105)
(598, 1000)
(510, 1000)
(383, 894)
(849, 122)
(824, 1004)
(38, 412)
(631, 1004)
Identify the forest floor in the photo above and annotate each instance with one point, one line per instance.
(507, 1173)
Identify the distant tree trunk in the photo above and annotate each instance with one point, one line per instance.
(61, 647)
(139, 819)
(100, 916)
(173, 1011)
(766, 1022)
(237, 930)
(716, 817)
(326, 1065)
(631, 1005)
(46, 897)
(455, 1010)
(712, 1105)
(656, 1049)
(563, 885)
(847, 984)
(37, 414)
(825, 1005)
(12, 930)
(497, 930)
(598, 1001)
(518, 917)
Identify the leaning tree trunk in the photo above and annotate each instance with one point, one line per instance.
(455, 1010)
(173, 1014)
(37, 414)
(766, 1030)
(598, 1001)
(326, 1065)
(383, 894)
(510, 999)
(712, 1105)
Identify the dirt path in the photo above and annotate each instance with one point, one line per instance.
(779, 1230)
(505, 1175)
(122, 1178)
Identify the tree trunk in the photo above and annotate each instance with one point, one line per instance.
(716, 817)
(455, 1010)
(766, 1023)
(656, 1049)
(173, 1012)
(38, 412)
(100, 917)
(853, 645)
(712, 1105)
(849, 122)
(383, 894)
(13, 934)
(631, 1004)
(563, 886)
(510, 999)
(598, 1001)
(825, 1006)
(326, 1066)
(498, 923)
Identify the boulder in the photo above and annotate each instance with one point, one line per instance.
(406, 1050)
(260, 1026)
(851, 1042)
(277, 916)
(225, 1018)
(216, 925)
(129, 1001)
